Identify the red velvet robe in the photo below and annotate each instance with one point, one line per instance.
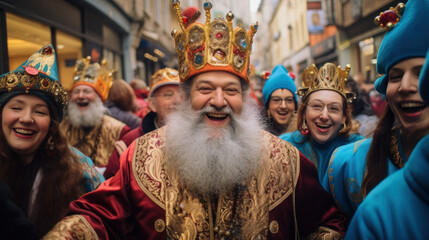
(146, 200)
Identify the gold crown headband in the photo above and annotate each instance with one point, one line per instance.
(328, 77)
(212, 46)
(95, 75)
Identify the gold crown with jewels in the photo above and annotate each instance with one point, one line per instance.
(328, 77)
(94, 75)
(212, 46)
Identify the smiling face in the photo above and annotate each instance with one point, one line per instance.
(324, 114)
(25, 123)
(83, 95)
(164, 101)
(403, 96)
(281, 106)
(221, 92)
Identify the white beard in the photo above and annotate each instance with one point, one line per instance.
(90, 117)
(214, 159)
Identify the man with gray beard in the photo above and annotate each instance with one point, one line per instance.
(86, 125)
(212, 172)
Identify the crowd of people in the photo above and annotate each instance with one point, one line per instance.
(194, 156)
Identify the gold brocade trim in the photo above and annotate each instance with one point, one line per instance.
(324, 233)
(85, 141)
(72, 227)
(189, 215)
(394, 148)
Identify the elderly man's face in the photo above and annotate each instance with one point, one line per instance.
(221, 92)
(164, 101)
(83, 95)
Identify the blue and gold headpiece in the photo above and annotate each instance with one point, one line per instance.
(408, 37)
(38, 75)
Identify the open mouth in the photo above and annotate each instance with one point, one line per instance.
(83, 104)
(217, 116)
(412, 107)
(23, 131)
(283, 113)
(323, 126)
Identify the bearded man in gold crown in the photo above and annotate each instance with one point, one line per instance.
(212, 172)
(86, 125)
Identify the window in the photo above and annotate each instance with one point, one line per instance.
(69, 49)
(24, 37)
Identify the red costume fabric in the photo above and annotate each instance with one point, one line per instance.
(137, 203)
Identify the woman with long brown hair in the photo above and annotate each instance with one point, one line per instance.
(358, 168)
(42, 171)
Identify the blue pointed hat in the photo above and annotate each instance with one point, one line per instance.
(408, 38)
(279, 79)
(424, 80)
(38, 75)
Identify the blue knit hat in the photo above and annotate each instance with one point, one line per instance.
(424, 80)
(38, 75)
(279, 79)
(409, 38)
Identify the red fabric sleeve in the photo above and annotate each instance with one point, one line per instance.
(118, 208)
(113, 164)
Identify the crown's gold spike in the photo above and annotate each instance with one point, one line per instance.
(253, 30)
(176, 5)
(207, 6)
(328, 77)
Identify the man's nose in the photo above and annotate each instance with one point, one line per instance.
(218, 99)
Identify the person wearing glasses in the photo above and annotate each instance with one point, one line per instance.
(164, 97)
(355, 170)
(44, 174)
(280, 102)
(87, 126)
(324, 121)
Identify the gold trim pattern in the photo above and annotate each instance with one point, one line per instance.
(189, 215)
(394, 148)
(72, 227)
(324, 233)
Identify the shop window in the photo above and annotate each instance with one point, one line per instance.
(24, 37)
(69, 49)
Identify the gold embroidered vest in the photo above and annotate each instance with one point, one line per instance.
(190, 216)
(103, 136)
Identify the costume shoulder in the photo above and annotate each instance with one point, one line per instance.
(282, 160)
(113, 124)
(345, 173)
(148, 165)
(92, 177)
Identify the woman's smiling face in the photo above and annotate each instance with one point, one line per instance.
(324, 114)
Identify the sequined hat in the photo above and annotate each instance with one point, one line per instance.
(280, 78)
(162, 77)
(97, 76)
(408, 37)
(328, 77)
(38, 75)
(212, 46)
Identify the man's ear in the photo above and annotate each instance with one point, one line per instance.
(151, 104)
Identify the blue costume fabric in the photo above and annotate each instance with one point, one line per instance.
(346, 170)
(92, 177)
(398, 208)
(319, 154)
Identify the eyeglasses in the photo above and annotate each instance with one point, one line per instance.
(333, 108)
(279, 100)
(84, 91)
(168, 95)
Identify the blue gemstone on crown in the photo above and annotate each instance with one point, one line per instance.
(198, 59)
(207, 5)
(243, 43)
(256, 27)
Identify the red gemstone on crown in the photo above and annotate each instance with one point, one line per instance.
(219, 35)
(388, 16)
(185, 20)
